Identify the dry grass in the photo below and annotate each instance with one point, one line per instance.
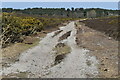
(61, 48)
(11, 53)
(17, 48)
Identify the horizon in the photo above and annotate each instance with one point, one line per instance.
(24, 5)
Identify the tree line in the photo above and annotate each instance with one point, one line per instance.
(62, 12)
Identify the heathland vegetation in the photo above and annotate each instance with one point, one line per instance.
(109, 26)
(15, 27)
(17, 23)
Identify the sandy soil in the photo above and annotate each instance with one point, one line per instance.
(38, 61)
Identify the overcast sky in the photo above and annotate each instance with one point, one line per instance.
(60, 0)
(21, 4)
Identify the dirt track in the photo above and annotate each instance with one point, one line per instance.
(38, 61)
(82, 62)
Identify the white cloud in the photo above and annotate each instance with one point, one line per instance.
(59, 0)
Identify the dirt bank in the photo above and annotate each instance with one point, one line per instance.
(103, 47)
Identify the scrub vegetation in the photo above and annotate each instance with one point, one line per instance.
(15, 28)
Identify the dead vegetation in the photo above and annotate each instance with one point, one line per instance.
(65, 36)
(56, 33)
(109, 26)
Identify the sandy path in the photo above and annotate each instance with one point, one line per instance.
(39, 59)
(74, 65)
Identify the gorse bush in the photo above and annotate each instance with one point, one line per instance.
(14, 27)
(30, 25)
